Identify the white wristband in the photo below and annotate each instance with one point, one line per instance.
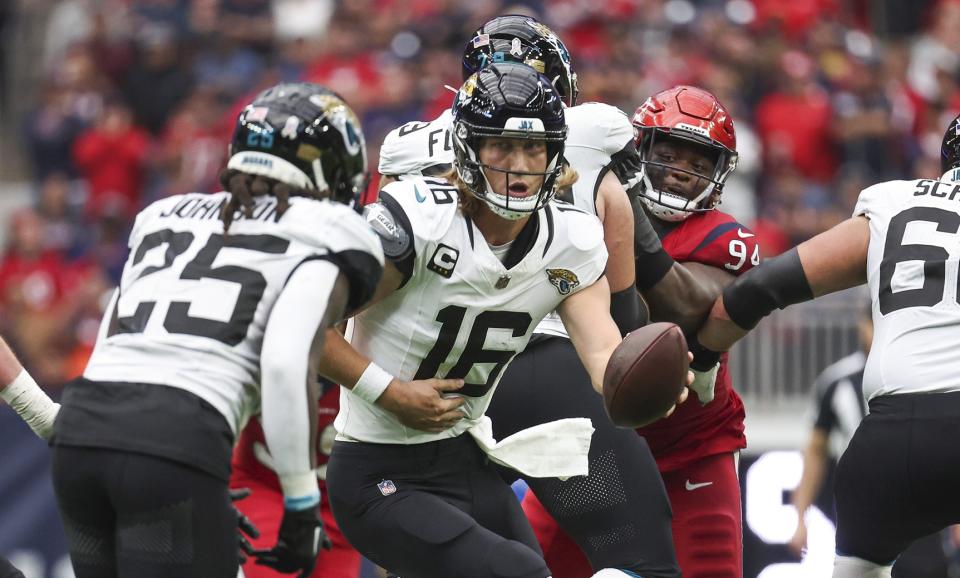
(372, 383)
(31, 403)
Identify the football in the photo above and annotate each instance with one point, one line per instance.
(645, 375)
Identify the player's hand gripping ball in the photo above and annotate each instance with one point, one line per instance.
(645, 375)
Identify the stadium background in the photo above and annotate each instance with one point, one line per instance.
(106, 105)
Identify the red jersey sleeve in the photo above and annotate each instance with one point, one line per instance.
(714, 238)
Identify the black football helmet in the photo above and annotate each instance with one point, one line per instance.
(950, 148)
(304, 135)
(516, 38)
(508, 100)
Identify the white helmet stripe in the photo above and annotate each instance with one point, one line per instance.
(268, 165)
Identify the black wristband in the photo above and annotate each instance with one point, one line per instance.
(775, 284)
(703, 359)
(625, 310)
(652, 268)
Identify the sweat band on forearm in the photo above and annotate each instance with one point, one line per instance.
(652, 262)
(31, 403)
(652, 268)
(372, 383)
(703, 359)
(775, 284)
(625, 309)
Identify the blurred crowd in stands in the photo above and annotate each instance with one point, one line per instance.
(137, 97)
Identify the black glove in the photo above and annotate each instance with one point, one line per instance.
(298, 543)
(244, 524)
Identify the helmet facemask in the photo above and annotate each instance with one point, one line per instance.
(468, 139)
(673, 193)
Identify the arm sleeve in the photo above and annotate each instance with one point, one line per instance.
(287, 400)
(627, 310)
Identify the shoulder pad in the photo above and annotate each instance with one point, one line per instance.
(429, 203)
(327, 225)
(599, 125)
(584, 230)
(874, 199)
(155, 208)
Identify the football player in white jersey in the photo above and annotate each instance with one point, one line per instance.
(897, 480)
(474, 263)
(221, 312)
(630, 531)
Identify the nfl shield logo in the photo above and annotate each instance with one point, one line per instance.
(387, 487)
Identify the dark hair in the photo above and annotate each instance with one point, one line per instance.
(243, 187)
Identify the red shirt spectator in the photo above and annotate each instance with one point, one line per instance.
(31, 277)
(111, 157)
(793, 17)
(794, 123)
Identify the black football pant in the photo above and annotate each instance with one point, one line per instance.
(129, 515)
(619, 514)
(431, 510)
(897, 481)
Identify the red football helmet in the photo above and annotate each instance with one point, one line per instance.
(687, 118)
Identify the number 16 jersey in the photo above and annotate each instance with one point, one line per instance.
(461, 312)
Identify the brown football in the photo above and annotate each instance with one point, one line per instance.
(645, 375)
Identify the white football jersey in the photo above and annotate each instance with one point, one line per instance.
(912, 269)
(417, 146)
(193, 303)
(462, 313)
(596, 132)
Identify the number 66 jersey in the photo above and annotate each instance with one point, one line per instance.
(464, 308)
(913, 266)
(193, 303)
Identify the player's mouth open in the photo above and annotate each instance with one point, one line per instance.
(518, 189)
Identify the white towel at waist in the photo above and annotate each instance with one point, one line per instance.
(556, 449)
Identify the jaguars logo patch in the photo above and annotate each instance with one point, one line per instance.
(564, 280)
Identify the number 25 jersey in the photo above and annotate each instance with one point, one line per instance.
(193, 303)
(913, 263)
(461, 312)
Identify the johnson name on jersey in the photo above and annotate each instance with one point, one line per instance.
(461, 312)
(193, 303)
(913, 261)
(599, 139)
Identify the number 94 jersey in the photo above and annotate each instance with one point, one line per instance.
(461, 312)
(912, 270)
(193, 303)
